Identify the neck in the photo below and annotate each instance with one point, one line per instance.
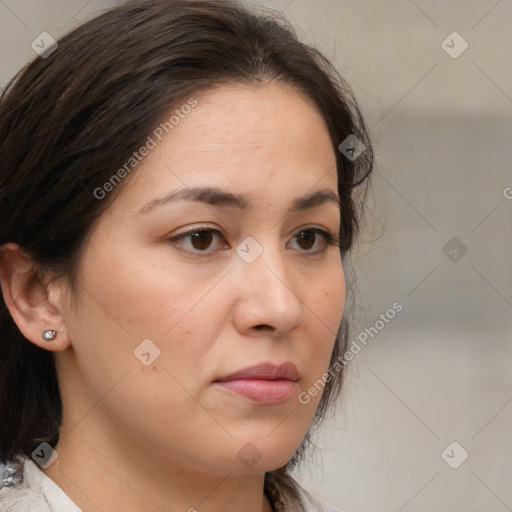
(113, 474)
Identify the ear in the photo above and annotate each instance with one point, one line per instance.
(34, 305)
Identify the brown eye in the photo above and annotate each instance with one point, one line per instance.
(306, 239)
(201, 240)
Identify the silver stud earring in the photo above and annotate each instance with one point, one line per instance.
(49, 335)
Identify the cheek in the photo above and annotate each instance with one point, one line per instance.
(141, 292)
(136, 298)
(119, 307)
(325, 305)
(325, 298)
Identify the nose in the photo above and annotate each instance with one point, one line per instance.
(268, 295)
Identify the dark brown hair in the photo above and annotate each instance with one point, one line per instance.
(69, 121)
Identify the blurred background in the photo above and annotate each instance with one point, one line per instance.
(426, 417)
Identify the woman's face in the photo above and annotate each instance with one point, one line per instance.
(248, 291)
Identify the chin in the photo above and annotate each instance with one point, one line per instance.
(265, 453)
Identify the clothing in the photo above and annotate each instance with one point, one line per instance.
(32, 491)
(25, 488)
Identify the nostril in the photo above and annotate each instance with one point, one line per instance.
(262, 326)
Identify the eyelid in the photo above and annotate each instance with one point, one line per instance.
(329, 238)
(195, 229)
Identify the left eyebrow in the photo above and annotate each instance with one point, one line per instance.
(219, 197)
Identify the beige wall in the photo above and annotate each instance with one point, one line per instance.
(384, 47)
(23, 20)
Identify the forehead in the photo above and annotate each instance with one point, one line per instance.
(242, 119)
(246, 138)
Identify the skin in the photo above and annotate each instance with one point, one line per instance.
(138, 437)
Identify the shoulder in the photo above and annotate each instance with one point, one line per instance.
(312, 504)
(24, 487)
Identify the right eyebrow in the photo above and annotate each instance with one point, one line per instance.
(219, 197)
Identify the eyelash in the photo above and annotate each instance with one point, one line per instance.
(329, 239)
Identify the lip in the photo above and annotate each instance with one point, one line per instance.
(265, 383)
(266, 371)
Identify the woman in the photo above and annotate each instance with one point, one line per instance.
(180, 184)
